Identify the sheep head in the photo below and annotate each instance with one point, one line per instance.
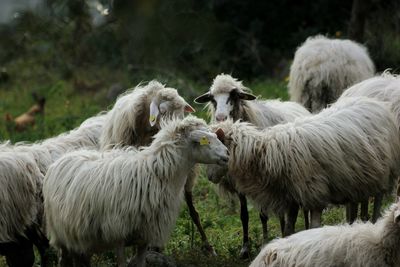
(225, 96)
(193, 135)
(167, 103)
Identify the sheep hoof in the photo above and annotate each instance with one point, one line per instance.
(245, 252)
(209, 250)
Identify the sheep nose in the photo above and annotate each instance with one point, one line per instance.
(221, 117)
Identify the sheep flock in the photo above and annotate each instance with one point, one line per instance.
(119, 179)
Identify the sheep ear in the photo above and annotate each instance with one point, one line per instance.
(204, 98)
(154, 113)
(188, 108)
(396, 216)
(220, 134)
(246, 96)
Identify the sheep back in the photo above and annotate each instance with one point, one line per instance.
(359, 244)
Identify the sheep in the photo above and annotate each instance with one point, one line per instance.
(21, 189)
(322, 68)
(229, 98)
(385, 87)
(21, 172)
(135, 117)
(359, 244)
(94, 201)
(133, 121)
(344, 153)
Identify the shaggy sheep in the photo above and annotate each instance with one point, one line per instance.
(135, 118)
(348, 151)
(94, 201)
(385, 88)
(230, 100)
(21, 187)
(356, 245)
(322, 68)
(21, 172)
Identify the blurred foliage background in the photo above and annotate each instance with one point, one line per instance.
(101, 47)
(196, 39)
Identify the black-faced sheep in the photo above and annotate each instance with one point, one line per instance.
(95, 201)
(229, 99)
(344, 153)
(356, 245)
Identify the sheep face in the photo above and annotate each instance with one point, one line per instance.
(206, 148)
(166, 104)
(226, 104)
(226, 95)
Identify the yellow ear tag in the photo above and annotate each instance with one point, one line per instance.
(204, 141)
(152, 118)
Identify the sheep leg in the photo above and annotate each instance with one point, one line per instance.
(377, 207)
(244, 217)
(364, 210)
(264, 223)
(351, 212)
(140, 259)
(316, 218)
(42, 243)
(306, 218)
(291, 217)
(67, 259)
(19, 253)
(120, 253)
(282, 223)
(81, 260)
(196, 219)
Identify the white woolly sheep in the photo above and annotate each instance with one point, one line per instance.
(385, 88)
(21, 184)
(322, 68)
(95, 201)
(21, 187)
(133, 121)
(135, 117)
(229, 100)
(356, 245)
(346, 152)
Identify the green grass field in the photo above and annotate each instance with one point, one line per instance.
(68, 106)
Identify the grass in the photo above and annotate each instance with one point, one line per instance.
(67, 107)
